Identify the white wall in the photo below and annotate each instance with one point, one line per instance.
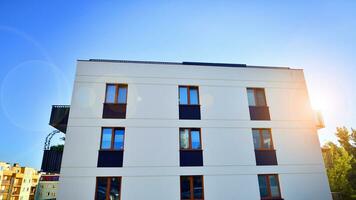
(151, 157)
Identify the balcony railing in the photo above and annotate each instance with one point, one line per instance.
(51, 161)
(59, 117)
(189, 112)
(259, 113)
(4, 191)
(5, 182)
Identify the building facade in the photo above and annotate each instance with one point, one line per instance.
(17, 183)
(157, 130)
(47, 187)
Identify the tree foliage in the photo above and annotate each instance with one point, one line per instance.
(340, 162)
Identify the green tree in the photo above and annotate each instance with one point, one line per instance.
(348, 141)
(353, 137)
(344, 138)
(58, 147)
(338, 163)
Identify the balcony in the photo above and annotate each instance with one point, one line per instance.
(259, 113)
(107, 158)
(59, 117)
(4, 191)
(114, 110)
(5, 182)
(51, 161)
(190, 158)
(189, 112)
(266, 157)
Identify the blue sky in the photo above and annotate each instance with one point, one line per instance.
(40, 42)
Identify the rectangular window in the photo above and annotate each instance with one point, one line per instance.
(192, 188)
(116, 93)
(269, 186)
(262, 139)
(112, 139)
(256, 97)
(108, 188)
(190, 139)
(188, 95)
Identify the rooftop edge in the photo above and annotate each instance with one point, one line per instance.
(186, 63)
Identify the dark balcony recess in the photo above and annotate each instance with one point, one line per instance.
(59, 117)
(51, 161)
(259, 113)
(266, 157)
(110, 158)
(189, 111)
(190, 158)
(114, 110)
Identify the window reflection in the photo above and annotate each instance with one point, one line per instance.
(122, 94)
(114, 189)
(101, 188)
(251, 97)
(112, 139)
(256, 97)
(110, 93)
(188, 95)
(266, 139)
(192, 187)
(195, 139)
(119, 139)
(116, 93)
(256, 139)
(108, 188)
(262, 139)
(198, 187)
(274, 186)
(260, 97)
(193, 96)
(184, 138)
(269, 186)
(262, 181)
(183, 95)
(190, 138)
(185, 187)
(106, 138)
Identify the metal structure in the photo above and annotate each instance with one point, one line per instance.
(47, 144)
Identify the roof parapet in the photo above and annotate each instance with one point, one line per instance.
(185, 63)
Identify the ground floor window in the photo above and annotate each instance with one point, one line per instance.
(192, 188)
(108, 188)
(269, 186)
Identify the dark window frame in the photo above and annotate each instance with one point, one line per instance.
(112, 145)
(191, 187)
(117, 87)
(260, 131)
(188, 94)
(108, 179)
(255, 95)
(266, 176)
(190, 139)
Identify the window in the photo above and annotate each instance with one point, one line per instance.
(188, 95)
(190, 139)
(256, 97)
(108, 188)
(192, 188)
(269, 186)
(112, 139)
(116, 93)
(262, 139)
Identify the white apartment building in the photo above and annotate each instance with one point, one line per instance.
(141, 130)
